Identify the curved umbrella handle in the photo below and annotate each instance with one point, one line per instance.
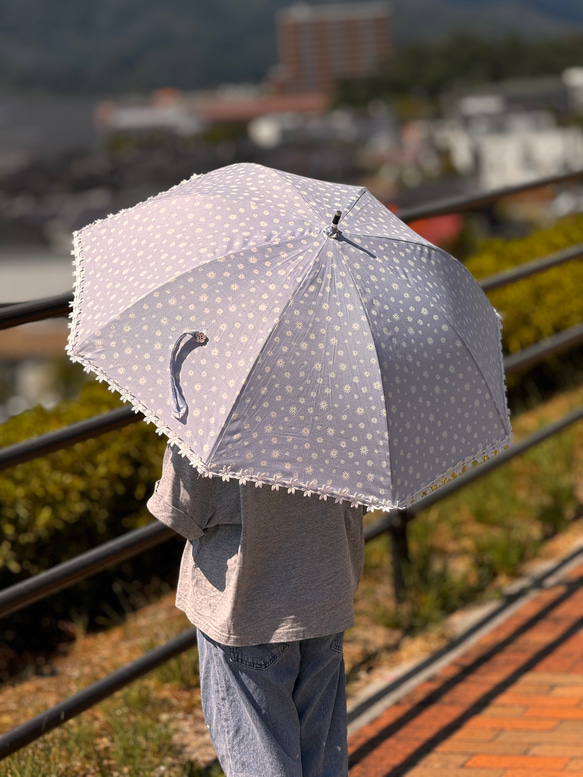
(177, 401)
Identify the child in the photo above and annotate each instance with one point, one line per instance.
(268, 577)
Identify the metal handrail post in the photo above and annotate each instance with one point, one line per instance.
(399, 553)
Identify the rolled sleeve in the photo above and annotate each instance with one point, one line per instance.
(174, 518)
(182, 498)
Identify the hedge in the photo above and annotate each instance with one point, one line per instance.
(59, 505)
(544, 304)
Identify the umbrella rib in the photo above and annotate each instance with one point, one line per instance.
(258, 247)
(503, 420)
(355, 286)
(355, 202)
(310, 205)
(79, 269)
(261, 350)
(479, 369)
(394, 239)
(444, 253)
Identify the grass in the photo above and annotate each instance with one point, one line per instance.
(472, 543)
(463, 550)
(125, 741)
(468, 547)
(130, 734)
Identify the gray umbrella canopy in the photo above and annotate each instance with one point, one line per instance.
(274, 340)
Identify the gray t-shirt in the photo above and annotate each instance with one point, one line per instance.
(262, 565)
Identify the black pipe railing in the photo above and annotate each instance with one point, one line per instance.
(531, 268)
(465, 202)
(69, 435)
(35, 310)
(33, 729)
(84, 565)
(395, 522)
(552, 346)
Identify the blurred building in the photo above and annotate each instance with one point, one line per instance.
(514, 95)
(511, 158)
(317, 45)
(219, 108)
(509, 132)
(165, 110)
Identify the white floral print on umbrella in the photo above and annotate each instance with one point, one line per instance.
(292, 332)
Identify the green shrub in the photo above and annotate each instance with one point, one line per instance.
(61, 504)
(67, 502)
(471, 542)
(544, 304)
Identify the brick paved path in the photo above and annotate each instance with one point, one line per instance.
(509, 706)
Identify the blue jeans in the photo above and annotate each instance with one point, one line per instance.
(276, 710)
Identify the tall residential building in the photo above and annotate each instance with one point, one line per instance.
(320, 44)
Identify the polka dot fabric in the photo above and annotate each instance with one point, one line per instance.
(313, 411)
(362, 365)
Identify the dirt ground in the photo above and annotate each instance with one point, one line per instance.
(372, 652)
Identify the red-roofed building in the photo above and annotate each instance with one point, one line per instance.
(219, 110)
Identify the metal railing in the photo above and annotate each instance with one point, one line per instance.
(135, 542)
(59, 305)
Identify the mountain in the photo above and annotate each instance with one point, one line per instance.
(488, 18)
(124, 45)
(95, 47)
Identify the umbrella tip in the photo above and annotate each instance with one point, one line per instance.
(333, 230)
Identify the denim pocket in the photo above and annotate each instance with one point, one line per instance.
(258, 656)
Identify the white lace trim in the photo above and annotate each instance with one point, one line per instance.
(79, 269)
(309, 487)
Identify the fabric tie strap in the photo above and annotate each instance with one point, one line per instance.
(177, 401)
